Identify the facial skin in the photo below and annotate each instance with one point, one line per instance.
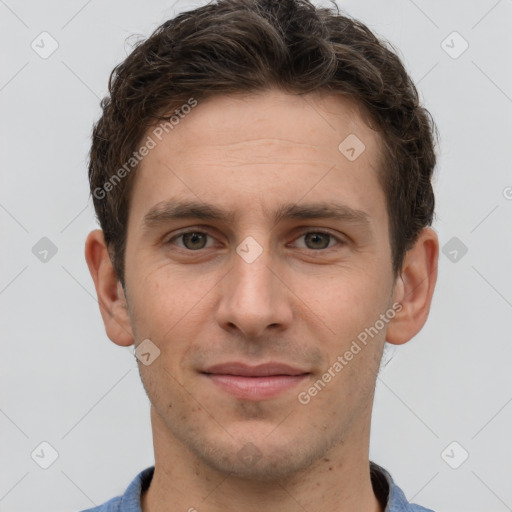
(301, 302)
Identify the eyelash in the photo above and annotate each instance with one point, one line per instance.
(202, 232)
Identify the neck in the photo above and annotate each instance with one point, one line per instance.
(339, 481)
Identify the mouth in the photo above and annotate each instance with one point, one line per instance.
(260, 382)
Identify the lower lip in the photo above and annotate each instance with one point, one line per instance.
(255, 388)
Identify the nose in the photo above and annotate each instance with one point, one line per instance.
(254, 297)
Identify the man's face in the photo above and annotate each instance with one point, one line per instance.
(255, 290)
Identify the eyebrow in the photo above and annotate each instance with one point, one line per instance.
(167, 211)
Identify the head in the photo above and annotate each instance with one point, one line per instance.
(299, 138)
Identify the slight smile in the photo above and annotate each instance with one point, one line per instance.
(255, 382)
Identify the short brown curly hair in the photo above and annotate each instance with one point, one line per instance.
(244, 46)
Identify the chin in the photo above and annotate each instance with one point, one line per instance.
(261, 460)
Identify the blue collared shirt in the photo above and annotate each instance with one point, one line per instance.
(383, 485)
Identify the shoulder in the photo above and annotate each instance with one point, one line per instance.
(112, 505)
(399, 503)
(130, 500)
(393, 497)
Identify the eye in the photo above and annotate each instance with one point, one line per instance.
(192, 240)
(318, 240)
(196, 240)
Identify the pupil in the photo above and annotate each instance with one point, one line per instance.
(193, 237)
(317, 236)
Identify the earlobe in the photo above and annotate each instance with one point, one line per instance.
(414, 288)
(111, 298)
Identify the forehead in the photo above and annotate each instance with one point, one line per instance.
(234, 150)
(236, 123)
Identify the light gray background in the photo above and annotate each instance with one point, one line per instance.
(64, 382)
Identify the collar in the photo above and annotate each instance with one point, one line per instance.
(388, 493)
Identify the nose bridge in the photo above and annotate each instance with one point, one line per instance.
(252, 277)
(252, 296)
(252, 282)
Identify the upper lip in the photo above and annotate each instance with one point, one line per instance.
(261, 370)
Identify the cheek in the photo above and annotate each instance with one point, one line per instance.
(347, 303)
(349, 306)
(167, 300)
(172, 310)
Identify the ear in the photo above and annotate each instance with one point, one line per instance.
(111, 298)
(414, 288)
